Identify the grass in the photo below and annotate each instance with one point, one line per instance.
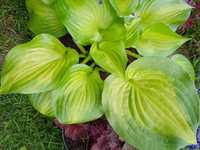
(21, 127)
(13, 25)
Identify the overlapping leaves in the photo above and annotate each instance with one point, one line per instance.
(36, 66)
(170, 12)
(157, 40)
(153, 99)
(43, 102)
(125, 7)
(43, 18)
(151, 30)
(79, 99)
(84, 19)
(156, 102)
(111, 56)
(185, 64)
(79, 93)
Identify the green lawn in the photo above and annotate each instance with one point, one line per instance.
(21, 127)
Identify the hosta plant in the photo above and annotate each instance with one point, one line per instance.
(151, 103)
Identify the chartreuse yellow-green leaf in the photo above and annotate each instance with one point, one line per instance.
(134, 31)
(170, 12)
(48, 2)
(111, 56)
(154, 107)
(43, 103)
(43, 18)
(37, 66)
(185, 64)
(79, 99)
(115, 32)
(151, 29)
(85, 19)
(158, 40)
(125, 7)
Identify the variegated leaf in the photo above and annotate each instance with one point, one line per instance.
(79, 99)
(170, 12)
(37, 66)
(185, 64)
(43, 103)
(85, 19)
(43, 18)
(155, 107)
(125, 7)
(158, 40)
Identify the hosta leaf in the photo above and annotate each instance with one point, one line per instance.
(125, 7)
(111, 56)
(158, 40)
(43, 18)
(155, 107)
(115, 32)
(170, 12)
(36, 66)
(134, 30)
(79, 99)
(85, 19)
(185, 64)
(48, 2)
(43, 103)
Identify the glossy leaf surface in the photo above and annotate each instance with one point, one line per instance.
(37, 66)
(79, 99)
(155, 107)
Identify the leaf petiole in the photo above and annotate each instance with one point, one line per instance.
(82, 56)
(86, 60)
(81, 48)
(132, 54)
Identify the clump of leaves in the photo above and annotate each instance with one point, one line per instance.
(153, 98)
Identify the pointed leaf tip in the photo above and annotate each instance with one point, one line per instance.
(157, 102)
(185, 64)
(158, 40)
